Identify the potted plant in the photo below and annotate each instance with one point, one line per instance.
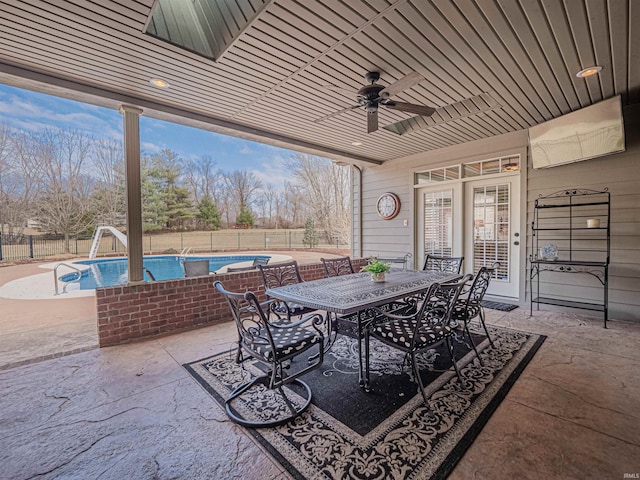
(376, 269)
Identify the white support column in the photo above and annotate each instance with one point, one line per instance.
(134, 191)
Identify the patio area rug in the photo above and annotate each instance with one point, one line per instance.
(386, 433)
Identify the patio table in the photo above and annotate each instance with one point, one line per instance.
(356, 293)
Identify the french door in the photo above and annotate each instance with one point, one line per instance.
(477, 219)
(492, 223)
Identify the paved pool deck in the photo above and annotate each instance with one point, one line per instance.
(37, 325)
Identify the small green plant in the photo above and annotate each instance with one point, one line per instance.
(374, 266)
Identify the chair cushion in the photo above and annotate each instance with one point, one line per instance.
(288, 341)
(462, 312)
(400, 333)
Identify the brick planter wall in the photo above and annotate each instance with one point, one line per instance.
(134, 312)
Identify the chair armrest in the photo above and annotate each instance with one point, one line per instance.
(315, 318)
(385, 317)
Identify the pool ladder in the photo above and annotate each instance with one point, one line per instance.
(55, 277)
(185, 251)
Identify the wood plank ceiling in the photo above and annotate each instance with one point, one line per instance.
(284, 64)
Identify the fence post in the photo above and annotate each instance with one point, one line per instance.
(76, 244)
(238, 239)
(211, 241)
(0, 246)
(289, 238)
(31, 246)
(181, 242)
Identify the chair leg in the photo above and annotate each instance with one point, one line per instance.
(484, 326)
(416, 374)
(366, 358)
(453, 359)
(473, 344)
(235, 415)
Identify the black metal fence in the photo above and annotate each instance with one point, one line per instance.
(22, 247)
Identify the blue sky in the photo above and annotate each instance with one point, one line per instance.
(29, 110)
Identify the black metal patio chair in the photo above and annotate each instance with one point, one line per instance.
(426, 328)
(404, 260)
(469, 304)
(253, 266)
(278, 275)
(443, 264)
(274, 347)
(335, 267)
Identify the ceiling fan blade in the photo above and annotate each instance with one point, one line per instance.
(405, 82)
(423, 110)
(372, 121)
(334, 114)
(454, 111)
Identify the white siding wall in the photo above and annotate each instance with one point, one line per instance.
(620, 173)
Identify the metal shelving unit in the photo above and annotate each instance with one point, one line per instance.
(573, 227)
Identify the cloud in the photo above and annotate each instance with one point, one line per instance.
(273, 171)
(32, 111)
(245, 150)
(150, 147)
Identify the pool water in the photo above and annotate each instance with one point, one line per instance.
(114, 271)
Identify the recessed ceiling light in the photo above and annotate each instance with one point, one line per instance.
(587, 72)
(356, 144)
(157, 82)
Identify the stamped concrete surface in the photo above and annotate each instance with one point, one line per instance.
(36, 324)
(133, 412)
(32, 330)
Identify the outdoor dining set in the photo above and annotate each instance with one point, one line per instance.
(411, 311)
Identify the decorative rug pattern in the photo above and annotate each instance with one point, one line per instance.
(503, 307)
(387, 433)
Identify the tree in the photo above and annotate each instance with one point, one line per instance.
(326, 193)
(21, 170)
(65, 205)
(109, 196)
(245, 218)
(310, 236)
(166, 203)
(7, 179)
(203, 178)
(242, 186)
(209, 214)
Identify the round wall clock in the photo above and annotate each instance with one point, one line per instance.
(388, 205)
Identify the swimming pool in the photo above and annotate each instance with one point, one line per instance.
(114, 271)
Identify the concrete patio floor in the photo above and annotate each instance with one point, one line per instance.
(133, 412)
(39, 329)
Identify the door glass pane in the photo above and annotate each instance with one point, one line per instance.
(452, 173)
(490, 166)
(491, 228)
(472, 169)
(437, 175)
(438, 233)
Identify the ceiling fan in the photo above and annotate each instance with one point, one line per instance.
(372, 96)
